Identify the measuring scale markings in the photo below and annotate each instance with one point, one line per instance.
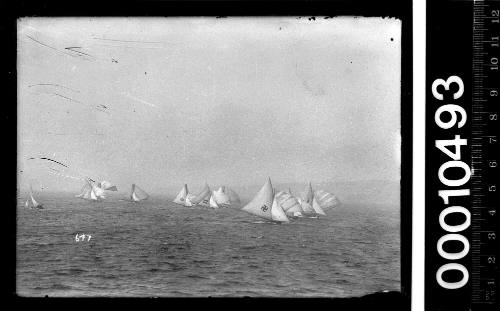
(485, 97)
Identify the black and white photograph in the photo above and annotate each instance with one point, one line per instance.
(208, 157)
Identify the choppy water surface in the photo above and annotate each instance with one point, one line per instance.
(158, 248)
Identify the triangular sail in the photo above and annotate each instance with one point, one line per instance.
(31, 202)
(277, 212)
(288, 202)
(202, 195)
(308, 194)
(99, 192)
(221, 197)
(206, 200)
(326, 199)
(85, 191)
(317, 208)
(137, 194)
(212, 202)
(91, 192)
(106, 185)
(181, 197)
(262, 203)
(189, 200)
(307, 208)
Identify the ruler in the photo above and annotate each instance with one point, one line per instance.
(484, 155)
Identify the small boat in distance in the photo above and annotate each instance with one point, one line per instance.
(106, 185)
(221, 197)
(31, 202)
(202, 198)
(317, 208)
(181, 197)
(307, 201)
(262, 205)
(212, 202)
(289, 204)
(91, 192)
(137, 194)
(277, 212)
(326, 200)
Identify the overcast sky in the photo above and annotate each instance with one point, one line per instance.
(164, 101)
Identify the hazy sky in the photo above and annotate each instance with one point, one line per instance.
(166, 101)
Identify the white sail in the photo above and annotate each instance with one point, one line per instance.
(31, 202)
(85, 190)
(307, 200)
(262, 203)
(137, 194)
(99, 192)
(307, 208)
(206, 200)
(106, 185)
(189, 200)
(212, 202)
(91, 192)
(221, 197)
(288, 202)
(308, 195)
(277, 212)
(317, 208)
(93, 196)
(326, 199)
(203, 194)
(181, 197)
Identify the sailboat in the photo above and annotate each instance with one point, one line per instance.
(317, 208)
(202, 198)
(31, 202)
(181, 196)
(221, 197)
(326, 199)
(91, 192)
(262, 205)
(106, 185)
(212, 202)
(289, 204)
(277, 212)
(137, 194)
(307, 201)
(189, 198)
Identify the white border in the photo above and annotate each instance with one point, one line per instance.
(418, 170)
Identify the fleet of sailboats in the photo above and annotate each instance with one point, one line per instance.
(221, 198)
(269, 204)
(285, 206)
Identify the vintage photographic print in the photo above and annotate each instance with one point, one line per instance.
(204, 156)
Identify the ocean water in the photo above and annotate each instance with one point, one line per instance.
(156, 248)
